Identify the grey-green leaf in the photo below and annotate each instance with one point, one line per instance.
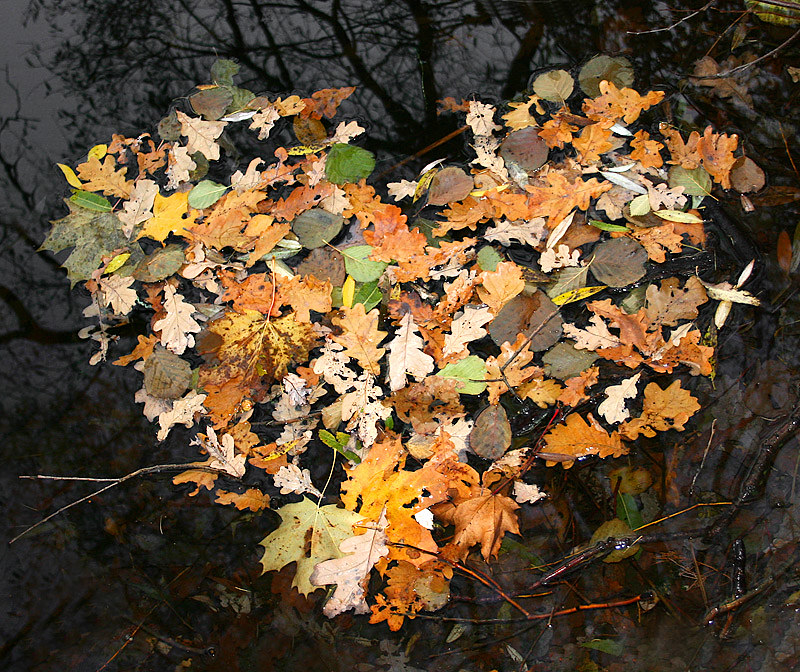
(357, 265)
(348, 163)
(205, 194)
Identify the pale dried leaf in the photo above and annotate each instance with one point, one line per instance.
(613, 407)
(177, 326)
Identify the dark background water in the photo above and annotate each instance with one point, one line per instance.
(182, 568)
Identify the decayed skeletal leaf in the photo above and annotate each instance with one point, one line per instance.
(665, 409)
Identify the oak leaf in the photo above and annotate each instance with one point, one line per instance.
(614, 104)
(406, 355)
(201, 135)
(520, 116)
(575, 388)
(177, 326)
(464, 329)
(251, 499)
(117, 293)
(103, 177)
(613, 407)
(411, 589)
(593, 141)
(140, 206)
(554, 196)
(716, 151)
(498, 287)
(576, 438)
(646, 151)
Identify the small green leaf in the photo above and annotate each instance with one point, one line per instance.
(695, 182)
(331, 441)
(488, 258)
(369, 295)
(679, 216)
(348, 163)
(469, 374)
(205, 194)
(609, 646)
(361, 268)
(607, 226)
(90, 201)
(640, 206)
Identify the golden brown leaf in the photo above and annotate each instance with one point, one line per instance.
(251, 499)
(103, 177)
(665, 409)
(360, 336)
(577, 438)
(484, 520)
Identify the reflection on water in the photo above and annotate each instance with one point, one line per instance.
(144, 560)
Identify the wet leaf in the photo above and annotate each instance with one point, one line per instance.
(358, 265)
(317, 227)
(618, 262)
(204, 194)
(348, 163)
(525, 149)
(449, 184)
(616, 69)
(535, 316)
(615, 529)
(555, 85)
(491, 435)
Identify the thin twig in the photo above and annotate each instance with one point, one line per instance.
(112, 482)
(674, 25)
(744, 66)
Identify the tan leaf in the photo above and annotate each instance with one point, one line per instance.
(201, 135)
(103, 177)
(613, 407)
(178, 325)
(360, 336)
(406, 355)
(484, 520)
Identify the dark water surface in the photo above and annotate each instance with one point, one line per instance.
(144, 577)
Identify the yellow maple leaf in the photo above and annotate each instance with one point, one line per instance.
(169, 216)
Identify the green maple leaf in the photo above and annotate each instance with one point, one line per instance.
(307, 535)
(93, 235)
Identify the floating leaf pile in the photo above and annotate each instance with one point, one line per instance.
(295, 292)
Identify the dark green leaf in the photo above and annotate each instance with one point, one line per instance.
(348, 163)
(369, 295)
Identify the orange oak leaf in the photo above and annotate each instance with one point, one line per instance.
(325, 102)
(593, 141)
(559, 196)
(301, 199)
(306, 293)
(103, 177)
(575, 391)
(391, 238)
(716, 151)
(658, 240)
(615, 104)
(464, 214)
(577, 438)
(251, 499)
(360, 336)
(516, 373)
(646, 151)
(409, 590)
(541, 392)
(498, 287)
(558, 131)
(665, 409)
(255, 292)
(266, 232)
(222, 226)
(684, 154)
(143, 349)
(484, 520)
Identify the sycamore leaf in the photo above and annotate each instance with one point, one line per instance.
(665, 409)
(94, 235)
(406, 355)
(201, 135)
(484, 520)
(613, 407)
(251, 499)
(350, 573)
(308, 535)
(178, 325)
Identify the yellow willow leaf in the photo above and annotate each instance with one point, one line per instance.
(577, 294)
(348, 291)
(69, 174)
(99, 151)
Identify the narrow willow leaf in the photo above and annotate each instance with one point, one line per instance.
(624, 182)
(117, 262)
(607, 226)
(98, 151)
(348, 291)
(69, 174)
(678, 216)
(577, 294)
(90, 201)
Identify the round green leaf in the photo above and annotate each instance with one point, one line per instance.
(348, 163)
(359, 266)
(317, 227)
(469, 374)
(205, 194)
(696, 182)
